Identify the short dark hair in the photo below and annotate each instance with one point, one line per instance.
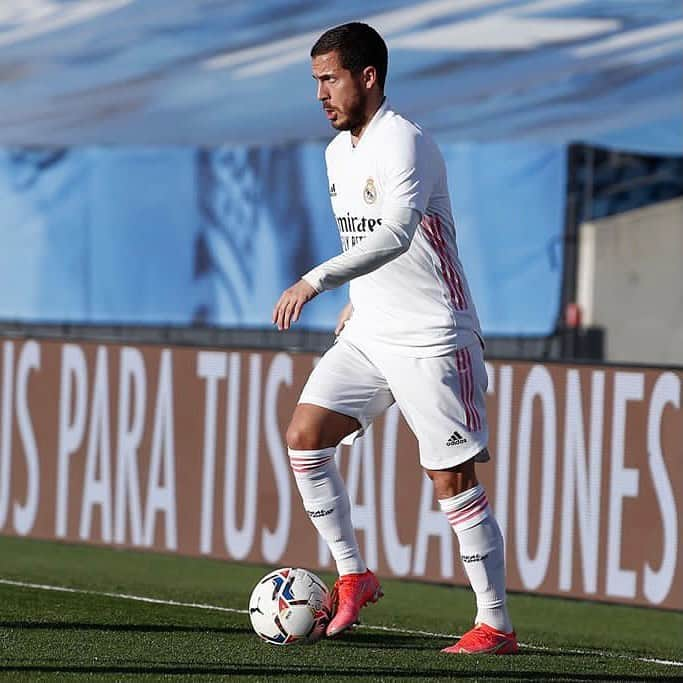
(358, 45)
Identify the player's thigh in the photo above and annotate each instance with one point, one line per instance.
(443, 399)
(313, 427)
(346, 381)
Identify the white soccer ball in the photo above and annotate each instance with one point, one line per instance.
(290, 606)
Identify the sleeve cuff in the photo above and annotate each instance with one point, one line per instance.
(315, 279)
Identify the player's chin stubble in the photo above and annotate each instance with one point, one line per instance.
(354, 119)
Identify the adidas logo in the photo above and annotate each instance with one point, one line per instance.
(333, 191)
(456, 439)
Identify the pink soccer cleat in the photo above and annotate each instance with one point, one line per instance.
(350, 593)
(485, 640)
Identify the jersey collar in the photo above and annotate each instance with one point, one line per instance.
(373, 123)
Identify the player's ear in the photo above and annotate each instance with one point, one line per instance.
(369, 77)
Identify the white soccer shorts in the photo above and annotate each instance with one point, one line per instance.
(441, 398)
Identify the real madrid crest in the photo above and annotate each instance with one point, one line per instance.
(370, 191)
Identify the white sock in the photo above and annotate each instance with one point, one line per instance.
(482, 553)
(327, 503)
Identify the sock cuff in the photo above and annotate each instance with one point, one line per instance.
(319, 453)
(462, 500)
(304, 462)
(466, 509)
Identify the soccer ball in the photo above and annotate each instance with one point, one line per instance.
(290, 606)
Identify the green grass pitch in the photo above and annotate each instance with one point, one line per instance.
(84, 635)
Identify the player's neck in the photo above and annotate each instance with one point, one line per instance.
(373, 108)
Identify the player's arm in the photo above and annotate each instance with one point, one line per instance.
(383, 245)
(386, 243)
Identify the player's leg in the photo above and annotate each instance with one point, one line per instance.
(443, 401)
(342, 396)
(312, 438)
(464, 502)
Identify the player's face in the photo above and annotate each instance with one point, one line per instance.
(341, 93)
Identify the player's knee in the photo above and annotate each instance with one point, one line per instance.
(445, 483)
(302, 437)
(454, 480)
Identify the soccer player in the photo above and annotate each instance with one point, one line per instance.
(410, 335)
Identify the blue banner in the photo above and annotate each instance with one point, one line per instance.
(196, 236)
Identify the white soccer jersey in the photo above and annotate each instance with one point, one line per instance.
(419, 304)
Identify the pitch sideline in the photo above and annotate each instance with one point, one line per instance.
(387, 629)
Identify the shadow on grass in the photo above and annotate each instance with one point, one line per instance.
(389, 641)
(279, 671)
(355, 639)
(120, 628)
(363, 639)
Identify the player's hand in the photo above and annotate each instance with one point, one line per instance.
(288, 308)
(345, 314)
